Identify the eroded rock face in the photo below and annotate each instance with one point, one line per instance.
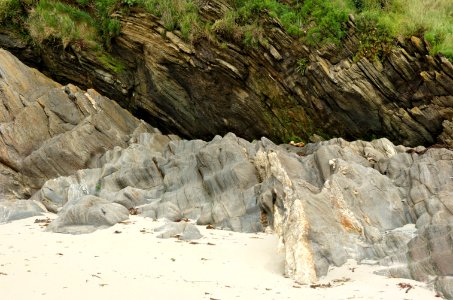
(48, 130)
(279, 89)
(328, 202)
(261, 91)
(213, 183)
(364, 201)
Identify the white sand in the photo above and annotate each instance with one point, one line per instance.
(136, 265)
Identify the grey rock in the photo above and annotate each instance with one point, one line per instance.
(328, 202)
(87, 214)
(182, 230)
(444, 285)
(213, 183)
(362, 200)
(48, 130)
(11, 210)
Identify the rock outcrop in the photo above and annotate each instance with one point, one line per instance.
(94, 163)
(48, 130)
(213, 183)
(278, 88)
(328, 202)
(181, 230)
(11, 210)
(365, 201)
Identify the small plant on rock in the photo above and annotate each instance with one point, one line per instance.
(302, 64)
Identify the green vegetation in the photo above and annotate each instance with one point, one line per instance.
(56, 20)
(91, 24)
(431, 18)
(318, 21)
(302, 65)
(111, 63)
(85, 22)
(176, 14)
(9, 9)
(98, 187)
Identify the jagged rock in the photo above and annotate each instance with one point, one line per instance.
(327, 197)
(181, 230)
(213, 183)
(48, 130)
(13, 210)
(447, 134)
(444, 284)
(361, 200)
(205, 88)
(87, 214)
(328, 202)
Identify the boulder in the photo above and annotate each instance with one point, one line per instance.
(371, 201)
(87, 214)
(213, 183)
(181, 230)
(11, 210)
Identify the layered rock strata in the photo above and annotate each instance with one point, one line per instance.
(49, 130)
(93, 163)
(278, 88)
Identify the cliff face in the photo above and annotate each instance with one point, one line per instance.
(279, 88)
(47, 130)
(80, 155)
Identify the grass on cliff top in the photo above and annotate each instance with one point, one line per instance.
(9, 9)
(57, 20)
(431, 18)
(319, 22)
(83, 22)
(379, 22)
(175, 14)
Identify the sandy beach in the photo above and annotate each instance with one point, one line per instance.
(128, 261)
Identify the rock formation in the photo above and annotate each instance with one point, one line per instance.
(366, 201)
(328, 202)
(213, 183)
(279, 88)
(48, 130)
(182, 230)
(93, 163)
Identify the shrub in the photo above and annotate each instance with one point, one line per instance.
(107, 26)
(318, 20)
(302, 65)
(324, 20)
